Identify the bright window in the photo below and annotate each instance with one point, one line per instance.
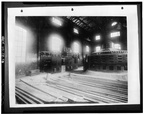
(56, 21)
(117, 46)
(76, 31)
(56, 43)
(98, 48)
(20, 44)
(76, 47)
(115, 34)
(114, 23)
(87, 49)
(97, 37)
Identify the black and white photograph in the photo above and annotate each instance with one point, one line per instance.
(71, 56)
(71, 59)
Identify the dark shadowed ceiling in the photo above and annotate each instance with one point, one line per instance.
(91, 25)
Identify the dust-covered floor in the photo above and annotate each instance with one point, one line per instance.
(73, 87)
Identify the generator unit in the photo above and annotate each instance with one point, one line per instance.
(71, 59)
(71, 62)
(108, 60)
(50, 62)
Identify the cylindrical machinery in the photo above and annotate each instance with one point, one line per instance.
(50, 62)
(72, 60)
(108, 60)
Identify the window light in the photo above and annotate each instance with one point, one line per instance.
(98, 48)
(87, 49)
(56, 21)
(55, 43)
(97, 37)
(76, 47)
(117, 46)
(115, 34)
(114, 23)
(20, 46)
(76, 31)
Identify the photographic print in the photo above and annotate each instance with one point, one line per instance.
(71, 59)
(73, 56)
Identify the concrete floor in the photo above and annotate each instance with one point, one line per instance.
(73, 87)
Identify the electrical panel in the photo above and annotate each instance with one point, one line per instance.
(108, 60)
(50, 62)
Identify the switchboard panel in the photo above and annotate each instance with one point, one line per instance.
(50, 62)
(108, 60)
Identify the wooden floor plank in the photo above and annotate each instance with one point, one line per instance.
(74, 87)
(43, 96)
(57, 92)
(30, 96)
(98, 89)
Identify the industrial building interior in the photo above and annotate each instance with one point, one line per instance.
(70, 59)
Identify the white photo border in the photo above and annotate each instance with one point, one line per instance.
(129, 11)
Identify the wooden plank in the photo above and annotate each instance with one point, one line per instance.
(95, 98)
(116, 89)
(100, 79)
(30, 96)
(21, 99)
(77, 88)
(43, 96)
(45, 90)
(76, 93)
(102, 85)
(27, 99)
(58, 92)
(98, 91)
